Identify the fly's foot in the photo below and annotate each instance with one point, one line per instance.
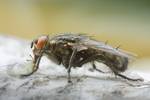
(69, 81)
(128, 78)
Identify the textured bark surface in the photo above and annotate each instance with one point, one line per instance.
(50, 81)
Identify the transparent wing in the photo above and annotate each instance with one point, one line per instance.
(106, 48)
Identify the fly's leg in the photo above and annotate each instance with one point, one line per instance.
(125, 77)
(95, 68)
(92, 59)
(70, 64)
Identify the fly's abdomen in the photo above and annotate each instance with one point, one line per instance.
(121, 63)
(116, 63)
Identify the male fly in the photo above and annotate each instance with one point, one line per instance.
(75, 50)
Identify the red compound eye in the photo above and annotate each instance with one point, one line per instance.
(41, 42)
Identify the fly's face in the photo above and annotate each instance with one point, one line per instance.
(38, 48)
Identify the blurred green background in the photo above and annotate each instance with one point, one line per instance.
(121, 22)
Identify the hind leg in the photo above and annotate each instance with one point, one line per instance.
(128, 78)
(95, 68)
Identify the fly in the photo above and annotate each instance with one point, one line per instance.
(75, 50)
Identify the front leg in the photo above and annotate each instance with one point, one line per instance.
(36, 63)
(70, 64)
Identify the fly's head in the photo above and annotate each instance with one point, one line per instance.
(38, 48)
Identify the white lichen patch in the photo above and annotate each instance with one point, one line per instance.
(20, 68)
